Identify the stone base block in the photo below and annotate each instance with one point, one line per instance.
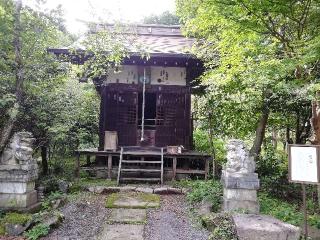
(16, 187)
(234, 205)
(261, 227)
(240, 194)
(16, 200)
(240, 180)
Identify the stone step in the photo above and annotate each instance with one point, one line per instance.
(122, 232)
(128, 216)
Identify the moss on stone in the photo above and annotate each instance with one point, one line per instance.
(111, 199)
(2, 229)
(150, 200)
(17, 218)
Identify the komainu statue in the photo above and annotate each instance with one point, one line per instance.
(19, 150)
(238, 158)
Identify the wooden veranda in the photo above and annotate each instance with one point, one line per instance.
(183, 164)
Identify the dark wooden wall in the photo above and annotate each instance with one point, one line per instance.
(119, 110)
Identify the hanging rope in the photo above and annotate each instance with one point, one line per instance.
(143, 104)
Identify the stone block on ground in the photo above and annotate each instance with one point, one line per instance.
(133, 200)
(261, 227)
(167, 190)
(128, 216)
(144, 189)
(122, 232)
(204, 208)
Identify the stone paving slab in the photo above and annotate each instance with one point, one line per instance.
(133, 200)
(128, 216)
(122, 232)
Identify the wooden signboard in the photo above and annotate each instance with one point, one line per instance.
(304, 164)
(304, 169)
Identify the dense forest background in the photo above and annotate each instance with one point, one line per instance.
(261, 79)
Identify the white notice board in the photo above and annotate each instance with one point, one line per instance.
(303, 163)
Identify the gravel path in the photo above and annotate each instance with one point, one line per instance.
(84, 218)
(171, 221)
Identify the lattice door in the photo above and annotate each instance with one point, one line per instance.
(170, 112)
(127, 118)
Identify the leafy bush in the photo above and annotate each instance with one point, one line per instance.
(284, 211)
(47, 203)
(204, 190)
(221, 226)
(37, 231)
(272, 163)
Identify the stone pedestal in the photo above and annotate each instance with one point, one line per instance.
(18, 172)
(240, 192)
(239, 181)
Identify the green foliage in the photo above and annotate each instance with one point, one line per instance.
(17, 218)
(200, 190)
(273, 163)
(258, 55)
(39, 230)
(287, 212)
(49, 200)
(165, 18)
(221, 226)
(216, 148)
(107, 48)
(2, 230)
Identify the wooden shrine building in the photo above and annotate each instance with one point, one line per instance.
(145, 112)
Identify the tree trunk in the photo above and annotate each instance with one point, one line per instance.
(260, 131)
(6, 132)
(44, 157)
(274, 138)
(210, 133)
(315, 122)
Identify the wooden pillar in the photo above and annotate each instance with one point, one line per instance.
(206, 169)
(77, 164)
(102, 117)
(109, 166)
(174, 168)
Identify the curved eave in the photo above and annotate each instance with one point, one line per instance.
(157, 58)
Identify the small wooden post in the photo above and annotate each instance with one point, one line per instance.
(77, 164)
(162, 159)
(206, 169)
(109, 165)
(119, 168)
(174, 168)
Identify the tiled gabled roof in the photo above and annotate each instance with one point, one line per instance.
(157, 40)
